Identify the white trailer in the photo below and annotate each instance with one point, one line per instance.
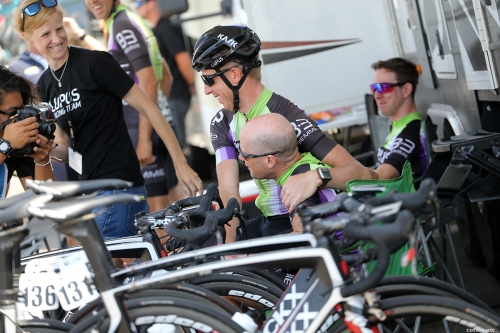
(318, 53)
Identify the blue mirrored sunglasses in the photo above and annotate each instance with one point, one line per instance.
(139, 3)
(34, 8)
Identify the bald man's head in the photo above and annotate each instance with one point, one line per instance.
(268, 133)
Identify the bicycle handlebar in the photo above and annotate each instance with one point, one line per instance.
(62, 211)
(344, 202)
(8, 202)
(212, 193)
(381, 236)
(197, 236)
(412, 201)
(68, 189)
(174, 211)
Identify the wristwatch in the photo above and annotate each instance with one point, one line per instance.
(5, 147)
(324, 175)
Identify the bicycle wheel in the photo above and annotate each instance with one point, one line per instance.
(44, 326)
(393, 286)
(253, 297)
(154, 314)
(178, 290)
(429, 314)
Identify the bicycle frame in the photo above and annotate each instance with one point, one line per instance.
(317, 283)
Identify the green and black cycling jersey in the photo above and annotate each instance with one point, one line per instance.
(225, 133)
(133, 45)
(406, 141)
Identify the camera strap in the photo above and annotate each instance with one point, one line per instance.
(4, 124)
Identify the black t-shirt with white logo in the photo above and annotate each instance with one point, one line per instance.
(93, 86)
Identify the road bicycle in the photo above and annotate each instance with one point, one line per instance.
(13, 231)
(325, 282)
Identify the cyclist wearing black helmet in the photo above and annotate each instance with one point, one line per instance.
(228, 58)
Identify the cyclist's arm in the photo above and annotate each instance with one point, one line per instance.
(168, 79)
(228, 177)
(149, 85)
(387, 171)
(183, 60)
(345, 168)
(76, 33)
(188, 179)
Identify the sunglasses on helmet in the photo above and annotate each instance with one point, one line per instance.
(209, 79)
(35, 8)
(383, 88)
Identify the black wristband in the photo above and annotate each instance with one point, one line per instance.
(82, 37)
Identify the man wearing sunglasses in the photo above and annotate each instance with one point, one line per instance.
(268, 148)
(228, 59)
(395, 83)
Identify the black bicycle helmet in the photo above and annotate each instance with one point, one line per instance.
(224, 43)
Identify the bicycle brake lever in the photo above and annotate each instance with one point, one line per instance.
(386, 210)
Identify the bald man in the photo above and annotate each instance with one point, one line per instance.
(268, 148)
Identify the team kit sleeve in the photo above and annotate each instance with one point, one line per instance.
(221, 140)
(310, 138)
(405, 146)
(132, 42)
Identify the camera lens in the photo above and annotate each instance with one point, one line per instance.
(47, 128)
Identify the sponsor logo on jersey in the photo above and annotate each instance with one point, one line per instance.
(303, 128)
(217, 118)
(128, 40)
(399, 146)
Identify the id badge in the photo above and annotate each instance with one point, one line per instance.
(75, 160)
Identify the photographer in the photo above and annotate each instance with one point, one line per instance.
(15, 93)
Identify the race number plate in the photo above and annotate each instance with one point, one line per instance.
(65, 280)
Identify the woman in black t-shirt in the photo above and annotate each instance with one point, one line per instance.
(85, 90)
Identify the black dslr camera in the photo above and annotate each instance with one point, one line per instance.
(46, 127)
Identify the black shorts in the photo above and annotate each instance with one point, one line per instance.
(262, 226)
(159, 176)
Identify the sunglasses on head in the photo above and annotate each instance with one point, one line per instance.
(35, 8)
(209, 79)
(383, 88)
(139, 3)
(249, 156)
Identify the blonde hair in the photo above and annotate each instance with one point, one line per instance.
(32, 23)
(255, 73)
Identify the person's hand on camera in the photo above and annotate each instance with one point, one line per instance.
(42, 152)
(20, 133)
